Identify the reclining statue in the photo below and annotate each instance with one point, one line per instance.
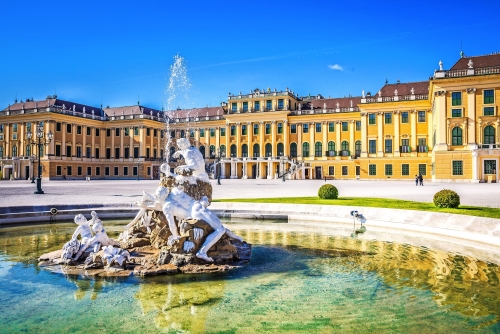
(73, 246)
(195, 162)
(100, 239)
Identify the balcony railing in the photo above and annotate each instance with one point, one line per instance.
(330, 153)
(422, 148)
(344, 153)
(405, 149)
(467, 72)
(489, 146)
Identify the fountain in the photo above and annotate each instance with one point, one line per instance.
(173, 232)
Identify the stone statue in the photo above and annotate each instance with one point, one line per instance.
(440, 65)
(179, 204)
(97, 241)
(379, 93)
(351, 103)
(395, 92)
(193, 159)
(74, 108)
(72, 247)
(412, 91)
(84, 110)
(114, 255)
(470, 63)
(338, 105)
(363, 93)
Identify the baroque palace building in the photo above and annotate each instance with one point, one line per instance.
(445, 128)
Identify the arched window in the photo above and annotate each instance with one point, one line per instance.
(489, 135)
(456, 136)
(280, 149)
(172, 151)
(269, 150)
(256, 150)
(358, 147)
(233, 151)
(345, 145)
(318, 147)
(202, 151)
(293, 150)
(305, 149)
(244, 150)
(212, 151)
(331, 149)
(223, 150)
(14, 151)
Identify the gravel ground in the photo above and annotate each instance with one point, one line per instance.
(20, 193)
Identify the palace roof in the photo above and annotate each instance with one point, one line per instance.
(405, 88)
(477, 61)
(195, 112)
(131, 110)
(56, 103)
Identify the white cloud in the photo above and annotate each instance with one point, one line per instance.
(336, 67)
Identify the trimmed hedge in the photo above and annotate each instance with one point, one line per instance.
(328, 191)
(446, 199)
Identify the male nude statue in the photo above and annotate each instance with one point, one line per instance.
(193, 159)
(99, 240)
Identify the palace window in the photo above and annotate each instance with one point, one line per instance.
(88, 131)
(148, 132)
(191, 133)
(116, 171)
(87, 152)
(280, 128)
(155, 132)
(202, 151)
(305, 149)
(125, 171)
(318, 148)
(58, 126)
(212, 151)
(372, 169)
(388, 118)
(117, 153)
(234, 107)
(1, 151)
(280, 149)
(318, 127)
(331, 170)
(89, 171)
(305, 128)
(281, 104)
(127, 153)
(268, 129)
(98, 171)
(405, 169)
(489, 96)
(245, 106)
(456, 136)
(371, 119)
(79, 170)
(202, 132)
(372, 146)
(136, 131)
(108, 132)
(456, 98)
(244, 150)
(256, 129)
(345, 126)
(421, 116)
(243, 130)
(404, 117)
(358, 125)
(388, 169)
(97, 132)
(222, 132)
(422, 169)
(108, 153)
(78, 151)
(78, 129)
(388, 146)
(106, 171)
(357, 146)
(269, 104)
(126, 131)
(457, 167)
(489, 135)
(345, 170)
(136, 152)
(257, 106)
(28, 150)
(456, 112)
(293, 128)
(14, 151)
(331, 148)
(489, 111)
(269, 150)
(212, 132)
(117, 132)
(256, 150)
(58, 170)
(331, 127)
(293, 150)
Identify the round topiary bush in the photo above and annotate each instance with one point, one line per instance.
(446, 199)
(328, 191)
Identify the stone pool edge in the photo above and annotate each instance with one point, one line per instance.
(477, 229)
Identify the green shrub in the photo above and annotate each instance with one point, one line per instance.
(328, 191)
(446, 199)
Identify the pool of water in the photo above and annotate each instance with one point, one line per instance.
(303, 277)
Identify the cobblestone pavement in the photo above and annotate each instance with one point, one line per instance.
(19, 193)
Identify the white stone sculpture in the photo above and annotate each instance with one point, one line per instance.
(395, 92)
(440, 65)
(412, 91)
(99, 240)
(74, 108)
(193, 159)
(338, 104)
(84, 110)
(379, 93)
(148, 202)
(72, 247)
(114, 255)
(351, 103)
(470, 63)
(363, 93)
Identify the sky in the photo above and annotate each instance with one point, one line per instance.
(120, 52)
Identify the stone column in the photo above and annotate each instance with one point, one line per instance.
(397, 139)
(471, 108)
(142, 142)
(112, 143)
(228, 141)
(63, 140)
(475, 167)
(440, 118)
(352, 143)
(338, 143)
(364, 136)
(380, 134)
(273, 139)
(73, 142)
(217, 139)
(22, 148)
(299, 140)
(122, 143)
(324, 129)
(413, 126)
(197, 138)
(131, 142)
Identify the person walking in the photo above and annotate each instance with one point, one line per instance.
(420, 179)
(416, 180)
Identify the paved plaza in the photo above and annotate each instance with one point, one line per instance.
(20, 193)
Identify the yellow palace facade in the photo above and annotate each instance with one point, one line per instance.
(445, 128)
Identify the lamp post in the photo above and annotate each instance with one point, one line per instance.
(139, 165)
(39, 141)
(220, 155)
(32, 162)
(283, 164)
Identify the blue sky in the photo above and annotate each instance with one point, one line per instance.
(115, 51)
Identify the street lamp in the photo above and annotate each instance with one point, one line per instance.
(39, 141)
(220, 154)
(283, 161)
(32, 161)
(139, 166)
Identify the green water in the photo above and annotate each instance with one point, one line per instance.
(297, 282)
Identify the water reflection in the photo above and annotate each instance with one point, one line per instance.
(296, 281)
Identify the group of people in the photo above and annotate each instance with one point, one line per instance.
(419, 180)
